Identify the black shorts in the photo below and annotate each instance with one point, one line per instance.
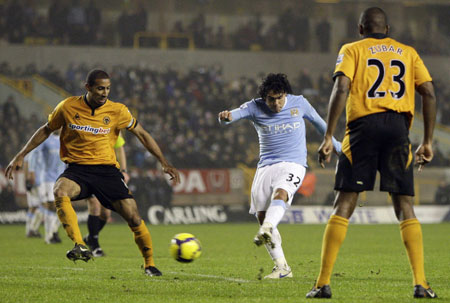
(106, 182)
(377, 142)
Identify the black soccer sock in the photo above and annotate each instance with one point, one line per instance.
(93, 224)
(101, 224)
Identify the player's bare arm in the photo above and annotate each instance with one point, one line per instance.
(38, 137)
(424, 153)
(151, 145)
(225, 116)
(122, 159)
(337, 104)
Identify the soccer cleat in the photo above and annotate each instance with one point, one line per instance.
(264, 235)
(34, 234)
(98, 252)
(79, 252)
(321, 292)
(152, 271)
(280, 273)
(56, 238)
(422, 292)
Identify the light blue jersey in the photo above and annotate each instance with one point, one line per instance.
(49, 155)
(281, 135)
(36, 165)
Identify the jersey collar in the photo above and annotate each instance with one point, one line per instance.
(87, 103)
(376, 36)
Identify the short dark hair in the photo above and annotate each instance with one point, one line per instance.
(373, 19)
(278, 83)
(94, 75)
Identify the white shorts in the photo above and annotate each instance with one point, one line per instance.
(47, 192)
(285, 175)
(34, 196)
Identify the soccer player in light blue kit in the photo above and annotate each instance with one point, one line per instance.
(33, 180)
(278, 117)
(51, 168)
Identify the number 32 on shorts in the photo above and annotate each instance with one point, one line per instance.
(295, 179)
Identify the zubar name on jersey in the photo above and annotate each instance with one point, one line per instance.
(381, 48)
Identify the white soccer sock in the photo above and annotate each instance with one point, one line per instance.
(55, 223)
(37, 220)
(48, 222)
(28, 221)
(275, 212)
(276, 252)
(281, 262)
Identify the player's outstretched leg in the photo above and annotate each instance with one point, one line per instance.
(264, 235)
(68, 218)
(69, 221)
(281, 269)
(273, 216)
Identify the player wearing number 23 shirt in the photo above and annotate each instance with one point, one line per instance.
(384, 74)
(278, 117)
(375, 80)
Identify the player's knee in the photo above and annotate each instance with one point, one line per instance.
(280, 194)
(93, 207)
(135, 220)
(105, 214)
(404, 213)
(261, 215)
(59, 192)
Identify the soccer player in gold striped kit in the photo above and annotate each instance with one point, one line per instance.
(90, 125)
(375, 80)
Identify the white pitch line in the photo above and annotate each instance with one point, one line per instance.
(170, 272)
(211, 276)
(48, 267)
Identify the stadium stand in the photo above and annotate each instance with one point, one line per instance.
(272, 28)
(180, 111)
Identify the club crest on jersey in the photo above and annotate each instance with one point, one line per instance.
(294, 112)
(77, 116)
(106, 120)
(339, 59)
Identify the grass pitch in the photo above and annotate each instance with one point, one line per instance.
(371, 267)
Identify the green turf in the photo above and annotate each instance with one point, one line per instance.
(371, 267)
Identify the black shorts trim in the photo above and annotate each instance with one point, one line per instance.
(377, 142)
(106, 182)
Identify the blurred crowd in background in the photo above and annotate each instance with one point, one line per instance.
(179, 108)
(180, 111)
(76, 22)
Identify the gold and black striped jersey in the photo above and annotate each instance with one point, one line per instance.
(383, 74)
(88, 135)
